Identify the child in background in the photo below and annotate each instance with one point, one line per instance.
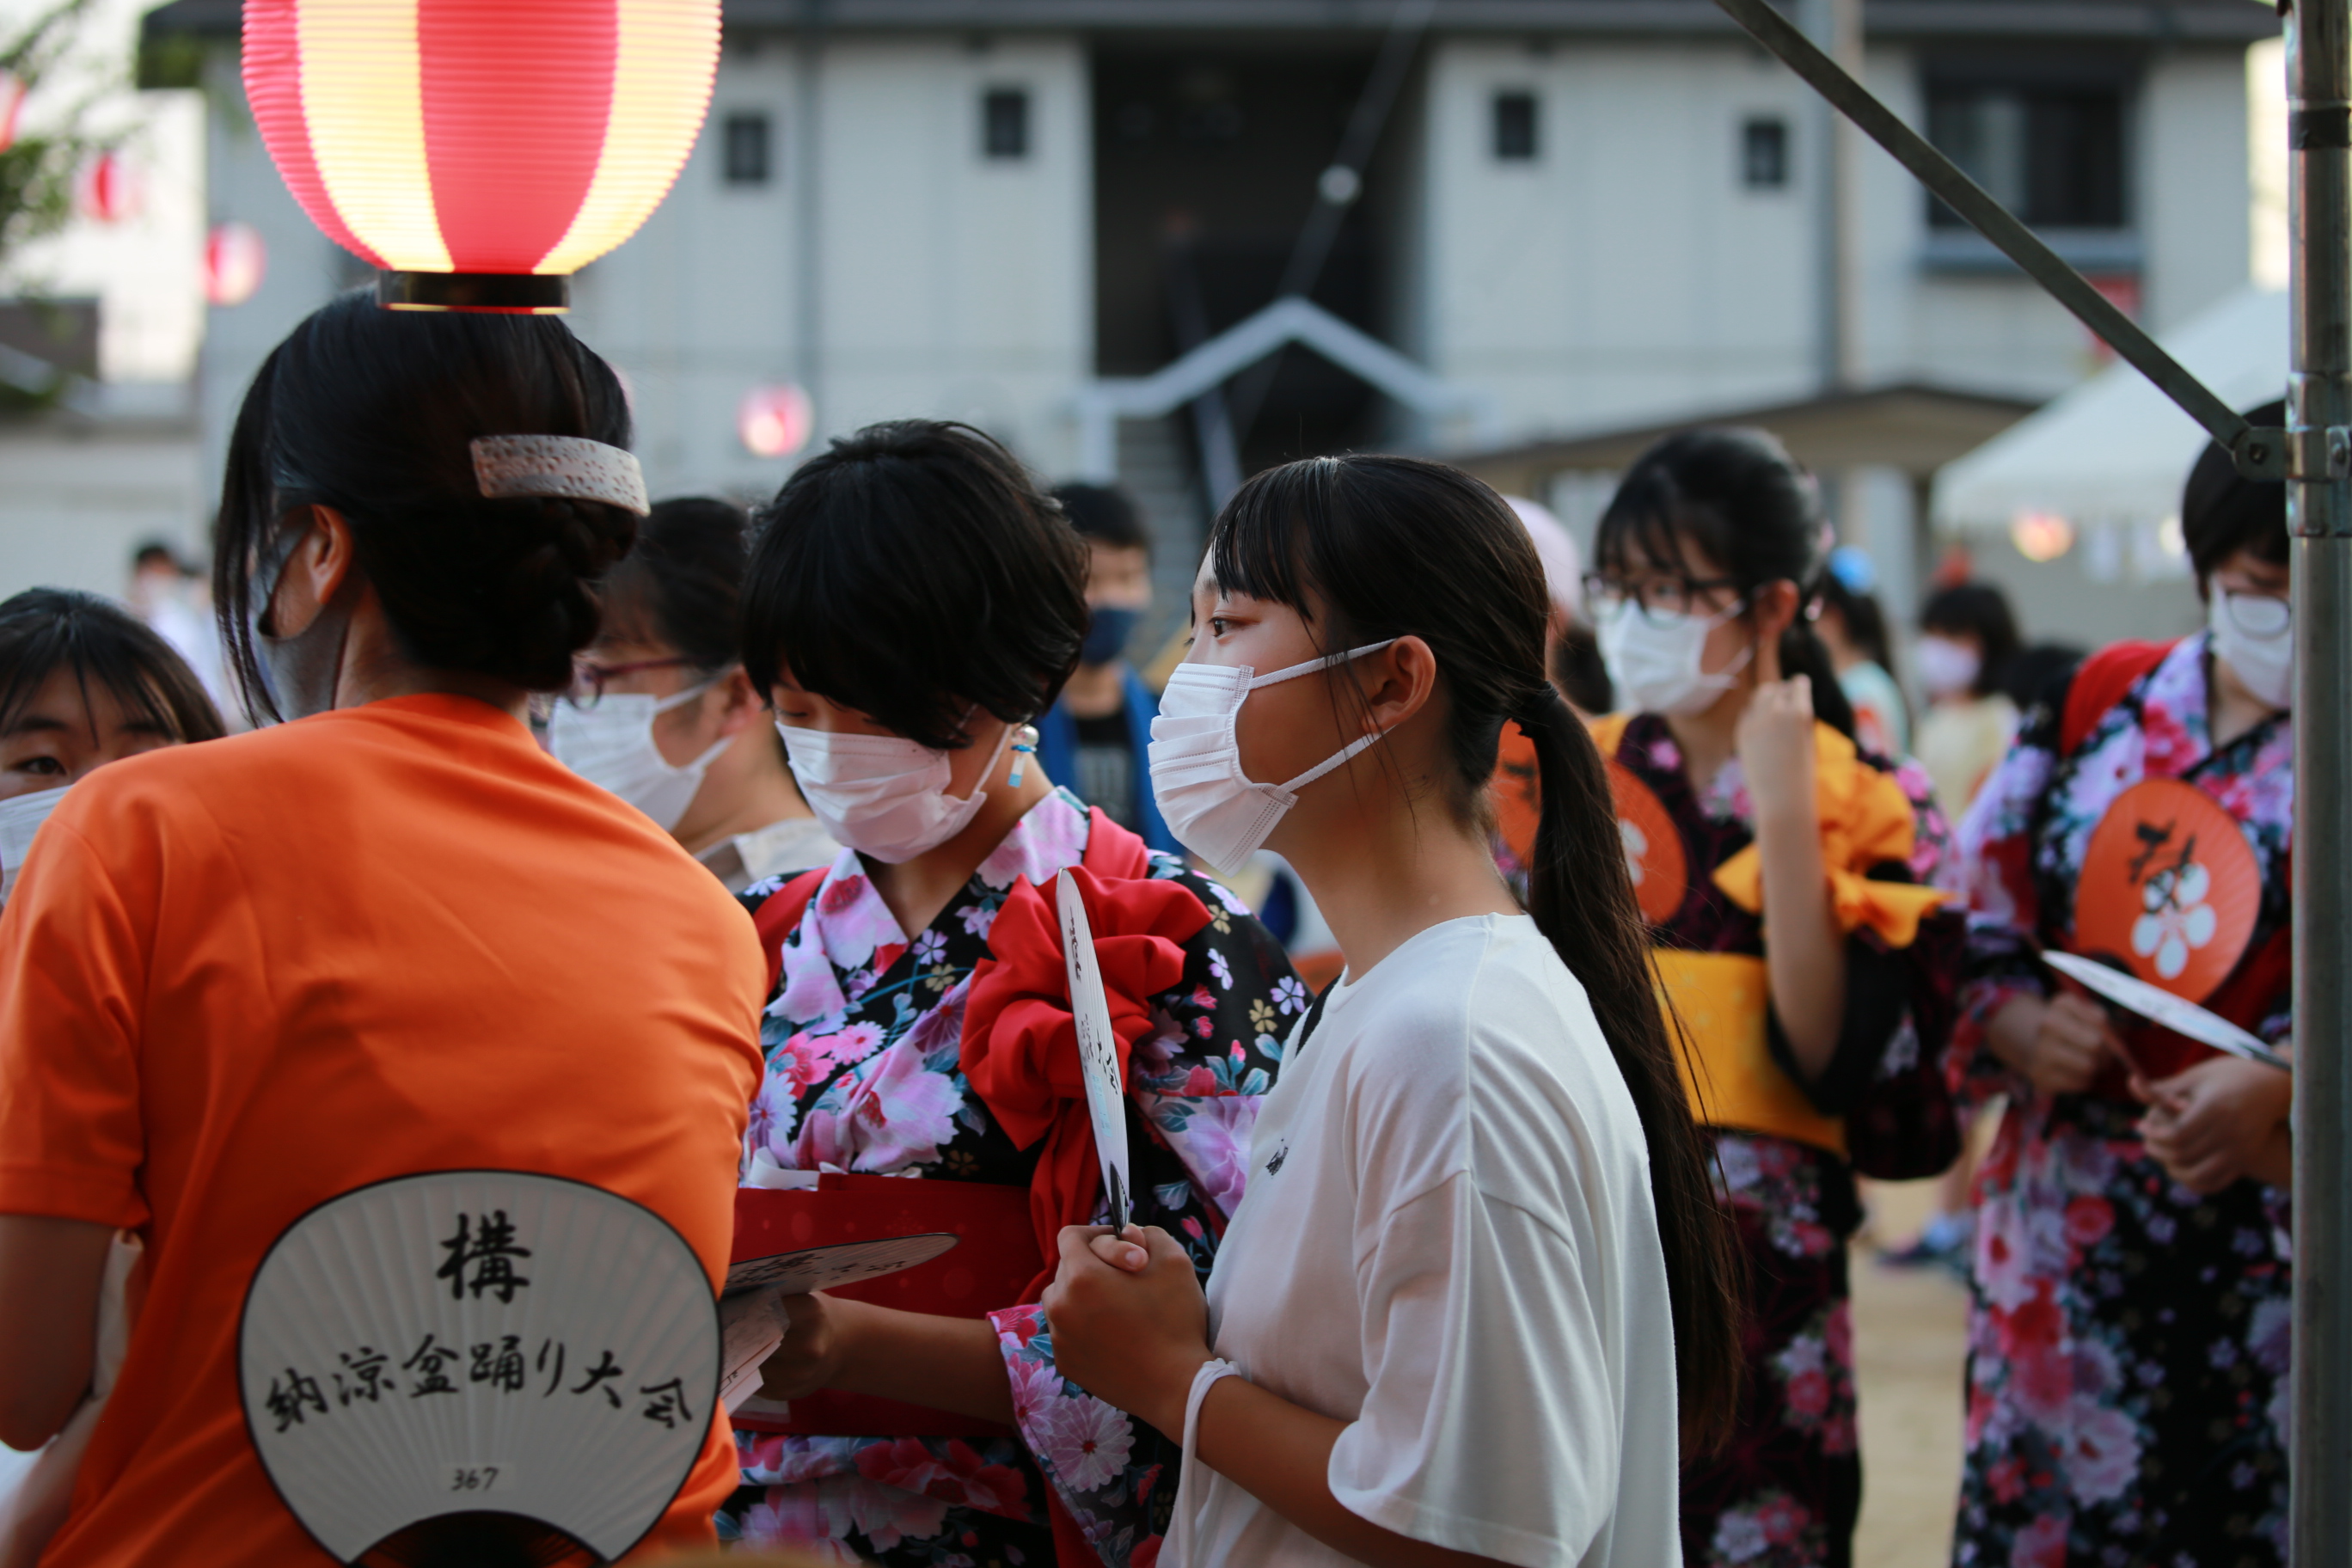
(1853, 626)
(1966, 640)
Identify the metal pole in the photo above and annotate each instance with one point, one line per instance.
(2319, 515)
(2256, 451)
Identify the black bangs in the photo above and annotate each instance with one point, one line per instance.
(1650, 519)
(913, 572)
(45, 630)
(1270, 525)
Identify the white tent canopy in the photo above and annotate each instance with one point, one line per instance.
(2114, 451)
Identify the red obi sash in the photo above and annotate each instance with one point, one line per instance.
(991, 1265)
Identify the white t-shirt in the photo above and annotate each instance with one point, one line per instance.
(1448, 1241)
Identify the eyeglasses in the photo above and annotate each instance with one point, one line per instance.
(1660, 598)
(587, 688)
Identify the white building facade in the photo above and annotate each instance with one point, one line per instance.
(1595, 213)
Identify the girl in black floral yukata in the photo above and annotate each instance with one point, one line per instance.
(1746, 808)
(913, 602)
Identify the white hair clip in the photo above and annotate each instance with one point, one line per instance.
(569, 466)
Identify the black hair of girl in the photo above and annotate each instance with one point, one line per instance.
(2223, 513)
(1737, 495)
(682, 586)
(45, 630)
(1348, 542)
(1981, 611)
(912, 573)
(372, 413)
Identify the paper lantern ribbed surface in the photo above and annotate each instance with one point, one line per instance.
(479, 154)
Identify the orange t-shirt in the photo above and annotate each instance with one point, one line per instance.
(241, 978)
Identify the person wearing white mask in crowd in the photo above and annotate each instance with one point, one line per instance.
(1967, 640)
(913, 603)
(661, 713)
(1478, 1299)
(82, 684)
(1790, 883)
(2144, 819)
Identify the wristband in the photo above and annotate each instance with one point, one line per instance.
(1173, 1550)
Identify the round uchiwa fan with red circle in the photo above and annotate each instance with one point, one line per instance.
(2169, 888)
(479, 154)
(1653, 846)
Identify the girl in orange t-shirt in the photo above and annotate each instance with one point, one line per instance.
(240, 979)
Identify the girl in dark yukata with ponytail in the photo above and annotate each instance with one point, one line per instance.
(1793, 886)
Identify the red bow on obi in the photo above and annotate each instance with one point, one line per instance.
(1020, 1046)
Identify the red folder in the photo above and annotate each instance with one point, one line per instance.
(992, 1264)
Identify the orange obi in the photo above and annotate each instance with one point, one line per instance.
(991, 1265)
(1721, 1000)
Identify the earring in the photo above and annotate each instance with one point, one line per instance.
(1024, 746)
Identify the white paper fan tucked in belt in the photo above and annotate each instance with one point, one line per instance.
(478, 1341)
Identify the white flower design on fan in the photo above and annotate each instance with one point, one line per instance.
(2175, 918)
(1637, 844)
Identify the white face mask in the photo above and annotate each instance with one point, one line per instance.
(21, 818)
(1658, 662)
(1946, 669)
(883, 795)
(1213, 808)
(2254, 634)
(612, 746)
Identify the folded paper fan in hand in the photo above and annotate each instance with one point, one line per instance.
(478, 1356)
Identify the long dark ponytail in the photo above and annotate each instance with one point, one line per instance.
(1393, 547)
(1739, 496)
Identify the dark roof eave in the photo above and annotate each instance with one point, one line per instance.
(2181, 21)
(1965, 417)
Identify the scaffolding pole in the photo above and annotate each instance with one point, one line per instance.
(2320, 516)
(2314, 455)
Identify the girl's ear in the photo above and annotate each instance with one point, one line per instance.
(1774, 605)
(1397, 680)
(743, 708)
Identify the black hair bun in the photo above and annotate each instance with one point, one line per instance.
(544, 602)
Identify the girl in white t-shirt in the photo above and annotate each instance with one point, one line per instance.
(1477, 1297)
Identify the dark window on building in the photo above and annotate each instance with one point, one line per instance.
(1004, 123)
(748, 137)
(1515, 125)
(2054, 155)
(1764, 154)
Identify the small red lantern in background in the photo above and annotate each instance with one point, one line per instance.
(110, 189)
(774, 421)
(11, 103)
(479, 154)
(235, 261)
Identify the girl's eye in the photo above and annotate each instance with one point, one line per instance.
(44, 766)
(1216, 626)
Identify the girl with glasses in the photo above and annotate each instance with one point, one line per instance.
(661, 713)
(1790, 886)
(2127, 1345)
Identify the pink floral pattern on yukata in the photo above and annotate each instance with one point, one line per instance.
(2127, 1338)
(863, 1041)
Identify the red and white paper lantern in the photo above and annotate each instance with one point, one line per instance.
(235, 261)
(110, 190)
(774, 421)
(11, 103)
(479, 152)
